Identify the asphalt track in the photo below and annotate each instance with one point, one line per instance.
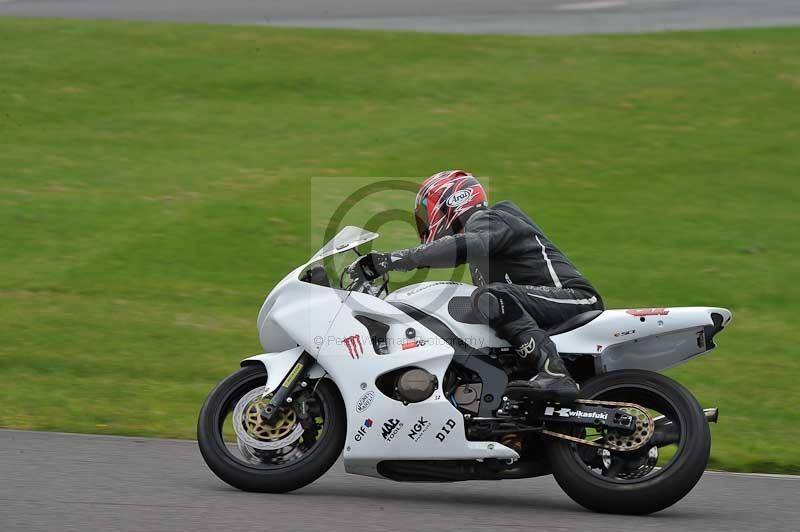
(456, 16)
(64, 482)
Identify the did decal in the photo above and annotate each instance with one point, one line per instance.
(419, 428)
(390, 428)
(362, 430)
(353, 345)
(446, 429)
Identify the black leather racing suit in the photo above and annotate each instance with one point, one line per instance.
(510, 256)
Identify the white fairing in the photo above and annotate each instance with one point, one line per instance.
(434, 297)
(320, 319)
(298, 316)
(619, 339)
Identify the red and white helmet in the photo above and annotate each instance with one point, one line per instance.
(445, 201)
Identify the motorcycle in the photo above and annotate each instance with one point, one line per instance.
(409, 386)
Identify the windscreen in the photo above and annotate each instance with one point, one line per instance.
(348, 238)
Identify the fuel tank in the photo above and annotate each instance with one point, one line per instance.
(450, 303)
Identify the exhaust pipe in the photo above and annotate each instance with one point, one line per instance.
(712, 415)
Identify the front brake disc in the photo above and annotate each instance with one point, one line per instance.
(253, 432)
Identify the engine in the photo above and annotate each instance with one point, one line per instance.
(413, 385)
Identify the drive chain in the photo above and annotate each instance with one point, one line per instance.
(644, 428)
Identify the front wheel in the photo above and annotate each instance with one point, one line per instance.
(646, 480)
(297, 447)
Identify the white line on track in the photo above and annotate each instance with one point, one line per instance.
(592, 5)
(760, 475)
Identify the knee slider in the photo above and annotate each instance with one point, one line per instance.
(487, 306)
(494, 305)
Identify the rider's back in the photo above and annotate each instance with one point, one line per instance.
(520, 252)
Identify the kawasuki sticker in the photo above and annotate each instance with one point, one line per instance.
(568, 412)
(353, 345)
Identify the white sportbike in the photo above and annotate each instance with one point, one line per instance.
(410, 386)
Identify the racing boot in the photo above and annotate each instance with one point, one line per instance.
(507, 317)
(552, 382)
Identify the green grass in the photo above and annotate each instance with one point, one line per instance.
(154, 184)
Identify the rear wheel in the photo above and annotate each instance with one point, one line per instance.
(293, 450)
(651, 478)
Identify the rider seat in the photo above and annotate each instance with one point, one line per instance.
(460, 308)
(574, 322)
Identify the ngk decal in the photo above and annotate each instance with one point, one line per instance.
(448, 426)
(353, 345)
(419, 428)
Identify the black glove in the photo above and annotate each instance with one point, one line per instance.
(373, 265)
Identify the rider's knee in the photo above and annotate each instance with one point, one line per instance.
(493, 304)
(486, 305)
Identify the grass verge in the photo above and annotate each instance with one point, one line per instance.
(154, 185)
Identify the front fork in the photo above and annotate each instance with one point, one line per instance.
(299, 370)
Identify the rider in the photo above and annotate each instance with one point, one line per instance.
(525, 284)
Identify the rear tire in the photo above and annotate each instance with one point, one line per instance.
(272, 478)
(650, 494)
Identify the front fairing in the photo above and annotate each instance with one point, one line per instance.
(272, 297)
(298, 313)
(291, 295)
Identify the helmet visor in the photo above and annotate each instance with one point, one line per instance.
(421, 217)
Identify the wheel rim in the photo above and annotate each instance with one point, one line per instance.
(291, 438)
(668, 440)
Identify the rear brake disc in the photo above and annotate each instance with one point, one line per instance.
(617, 440)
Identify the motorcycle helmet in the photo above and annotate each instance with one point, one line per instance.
(444, 203)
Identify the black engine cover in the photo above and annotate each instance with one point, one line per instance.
(415, 385)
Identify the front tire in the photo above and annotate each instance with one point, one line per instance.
(275, 476)
(580, 476)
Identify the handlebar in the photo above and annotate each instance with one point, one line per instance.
(360, 282)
